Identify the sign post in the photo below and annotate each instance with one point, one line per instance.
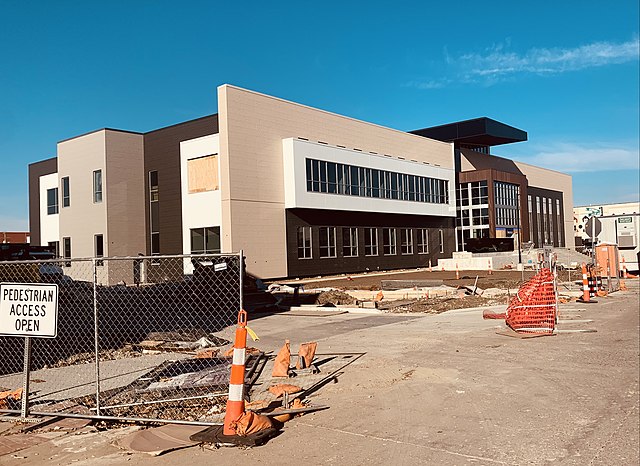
(595, 226)
(28, 310)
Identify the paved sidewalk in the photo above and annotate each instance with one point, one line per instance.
(440, 389)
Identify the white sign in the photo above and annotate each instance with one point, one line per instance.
(29, 310)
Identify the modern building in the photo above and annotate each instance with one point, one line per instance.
(498, 197)
(302, 191)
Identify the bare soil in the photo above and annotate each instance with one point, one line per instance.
(439, 305)
(504, 279)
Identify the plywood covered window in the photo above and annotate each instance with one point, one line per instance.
(203, 174)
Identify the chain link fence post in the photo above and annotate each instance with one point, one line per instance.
(26, 376)
(96, 335)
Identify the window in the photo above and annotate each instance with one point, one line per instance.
(202, 174)
(98, 247)
(350, 242)
(154, 215)
(406, 241)
(550, 220)
(539, 222)
(66, 250)
(205, 240)
(544, 220)
(337, 178)
(370, 242)
(52, 201)
(441, 239)
(155, 243)
(423, 241)
(153, 186)
(66, 200)
(389, 241)
(304, 243)
(530, 206)
(97, 186)
(327, 242)
(507, 206)
(559, 224)
(55, 247)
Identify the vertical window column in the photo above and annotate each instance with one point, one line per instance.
(389, 241)
(350, 242)
(154, 213)
(97, 186)
(406, 241)
(98, 247)
(370, 241)
(66, 199)
(559, 224)
(304, 243)
(52, 201)
(327, 242)
(66, 250)
(423, 241)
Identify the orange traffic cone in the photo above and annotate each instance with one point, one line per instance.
(490, 271)
(585, 286)
(235, 402)
(625, 274)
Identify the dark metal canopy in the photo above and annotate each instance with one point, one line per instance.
(477, 132)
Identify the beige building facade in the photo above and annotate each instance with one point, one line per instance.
(300, 190)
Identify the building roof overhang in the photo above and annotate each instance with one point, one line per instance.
(476, 132)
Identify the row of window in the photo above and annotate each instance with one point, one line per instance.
(98, 248)
(52, 194)
(507, 200)
(545, 220)
(351, 180)
(327, 247)
(475, 193)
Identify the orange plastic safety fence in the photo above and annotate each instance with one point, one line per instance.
(533, 308)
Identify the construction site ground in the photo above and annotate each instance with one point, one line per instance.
(433, 389)
(506, 279)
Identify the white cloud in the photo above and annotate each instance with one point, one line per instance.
(551, 60)
(498, 63)
(574, 158)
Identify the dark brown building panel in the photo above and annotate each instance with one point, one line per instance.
(554, 218)
(492, 175)
(162, 154)
(331, 218)
(36, 170)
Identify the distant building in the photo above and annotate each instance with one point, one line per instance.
(620, 224)
(15, 237)
(302, 191)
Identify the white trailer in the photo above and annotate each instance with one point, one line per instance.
(623, 230)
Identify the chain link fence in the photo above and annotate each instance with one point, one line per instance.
(136, 337)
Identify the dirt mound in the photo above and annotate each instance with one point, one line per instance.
(334, 297)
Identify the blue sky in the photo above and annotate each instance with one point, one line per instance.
(566, 72)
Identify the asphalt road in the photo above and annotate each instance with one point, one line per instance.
(439, 389)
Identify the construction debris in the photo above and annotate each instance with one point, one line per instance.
(305, 354)
(282, 388)
(335, 297)
(283, 359)
(8, 397)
